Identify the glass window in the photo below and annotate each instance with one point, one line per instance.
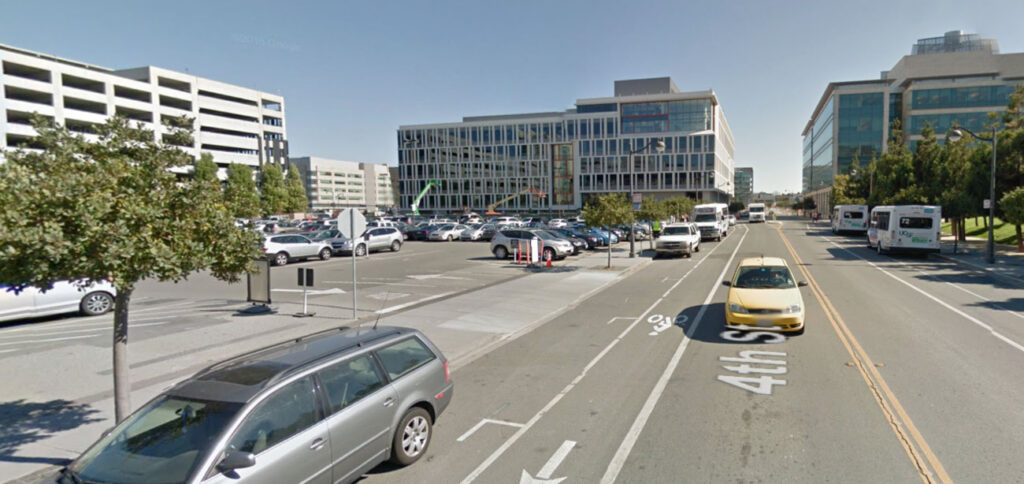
(404, 356)
(764, 277)
(853, 215)
(583, 128)
(349, 381)
(288, 411)
(915, 222)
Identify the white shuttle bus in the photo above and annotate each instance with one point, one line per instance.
(755, 213)
(905, 228)
(849, 218)
(712, 219)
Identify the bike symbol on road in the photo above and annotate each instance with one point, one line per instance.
(662, 322)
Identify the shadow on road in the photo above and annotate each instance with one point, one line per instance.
(712, 327)
(841, 254)
(1014, 304)
(28, 422)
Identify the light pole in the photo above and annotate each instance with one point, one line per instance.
(955, 136)
(659, 146)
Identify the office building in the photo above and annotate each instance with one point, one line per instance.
(335, 184)
(954, 79)
(744, 184)
(233, 123)
(575, 154)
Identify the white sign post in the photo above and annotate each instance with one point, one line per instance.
(351, 224)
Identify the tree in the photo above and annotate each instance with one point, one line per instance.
(651, 209)
(894, 172)
(1012, 205)
(956, 200)
(205, 170)
(112, 210)
(297, 201)
(736, 206)
(607, 210)
(240, 194)
(679, 206)
(273, 194)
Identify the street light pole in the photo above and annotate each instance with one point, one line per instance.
(659, 146)
(955, 136)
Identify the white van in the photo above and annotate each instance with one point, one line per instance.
(849, 218)
(712, 219)
(905, 228)
(756, 212)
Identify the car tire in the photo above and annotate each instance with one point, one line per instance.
(325, 254)
(280, 258)
(360, 250)
(412, 437)
(449, 238)
(697, 249)
(96, 303)
(549, 254)
(396, 246)
(500, 252)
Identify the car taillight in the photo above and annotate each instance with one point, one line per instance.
(264, 249)
(447, 374)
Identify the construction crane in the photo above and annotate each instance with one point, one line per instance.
(416, 203)
(536, 193)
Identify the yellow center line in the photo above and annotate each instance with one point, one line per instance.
(890, 405)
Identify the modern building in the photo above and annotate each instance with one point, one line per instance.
(234, 124)
(571, 155)
(954, 79)
(744, 184)
(334, 184)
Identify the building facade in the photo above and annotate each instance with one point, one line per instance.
(744, 184)
(232, 123)
(570, 156)
(334, 184)
(956, 79)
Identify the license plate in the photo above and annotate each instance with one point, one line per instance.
(764, 323)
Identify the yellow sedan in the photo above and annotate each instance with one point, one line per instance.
(763, 296)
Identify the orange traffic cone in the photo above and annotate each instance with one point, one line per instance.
(549, 261)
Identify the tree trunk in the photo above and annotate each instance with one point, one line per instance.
(954, 230)
(1020, 241)
(122, 382)
(609, 250)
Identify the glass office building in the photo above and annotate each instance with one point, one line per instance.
(601, 146)
(744, 184)
(956, 79)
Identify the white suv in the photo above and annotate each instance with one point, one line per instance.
(681, 239)
(283, 248)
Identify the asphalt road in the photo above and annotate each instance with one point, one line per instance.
(905, 374)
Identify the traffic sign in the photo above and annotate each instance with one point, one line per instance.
(986, 204)
(638, 197)
(351, 223)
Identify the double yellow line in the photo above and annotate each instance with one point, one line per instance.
(927, 464)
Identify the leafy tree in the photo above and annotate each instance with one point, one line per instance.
(928, 166)
(273, 194)
(894, 172)
(1012, 205)
(111, 210)
(736, 206)
(240, 193)
(956, 200)
(607, 210)
(651, 209)
(205, 170)
(679, 206)
(297, 201)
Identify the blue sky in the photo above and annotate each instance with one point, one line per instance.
(352, 72)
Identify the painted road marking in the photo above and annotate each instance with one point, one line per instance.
(662, 322)
(384, 296)
(413, 303)
(893, 411)
(761, 385)
(615, 466)
(483, 422)
(610, 321)
(544, 476)
(747, 334)
(50, 340)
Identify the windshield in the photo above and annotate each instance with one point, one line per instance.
(683, 230)
(756, 209)
(545, 235)
(706, 217)
(763, 277)
(159, 444)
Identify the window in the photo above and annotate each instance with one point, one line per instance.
(853, 215)
(350, 381)
(881, 220)
(915, 222)
(288, 411)
(764, 277)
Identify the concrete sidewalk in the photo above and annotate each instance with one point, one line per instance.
(973, 253)
(464, 326)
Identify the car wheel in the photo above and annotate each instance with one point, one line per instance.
(549, 253)
(281, 258)
(697, 249)
(360, 250)
(325, 254)
(96, 303)
(396, 246)
(500, 252)
(411, 438)
(449, 238)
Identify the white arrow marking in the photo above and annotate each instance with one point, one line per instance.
(481, 424)
(556, 460)
(526, 478)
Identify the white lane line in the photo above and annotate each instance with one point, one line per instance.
(937, 300)
(8, 351)
(533, 420)
(619, 460)
(46, 340)
(556, 460)
(413, 303)
(610, 321)
(481, 423)
(94, 331)
(383, 283)
(964, 289)
(745, 229)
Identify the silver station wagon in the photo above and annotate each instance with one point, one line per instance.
(319, 409)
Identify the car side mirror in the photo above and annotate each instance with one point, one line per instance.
(235, 459)
(801, 284)
(726, 283)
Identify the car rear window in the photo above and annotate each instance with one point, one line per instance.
(676, 231)
(404, 356)
(856, 215)
(915, 222)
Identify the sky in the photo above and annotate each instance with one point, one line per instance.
(352, 72)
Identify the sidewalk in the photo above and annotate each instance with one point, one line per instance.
(465, 327)
(1009, 263)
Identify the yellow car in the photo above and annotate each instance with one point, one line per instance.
(764, 296)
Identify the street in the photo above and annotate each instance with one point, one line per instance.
(604, 376)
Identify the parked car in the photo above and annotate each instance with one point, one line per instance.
(420, 231)
(372, 240)
(64, 297)
(321, 408)
(591, 240)
(732, 219)
(578, 244)
(552, 247)
(448, 232)
(763, 294)
(283, 248)
(557, 223)
(324, 235)
(605, 236)
(678, 239)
